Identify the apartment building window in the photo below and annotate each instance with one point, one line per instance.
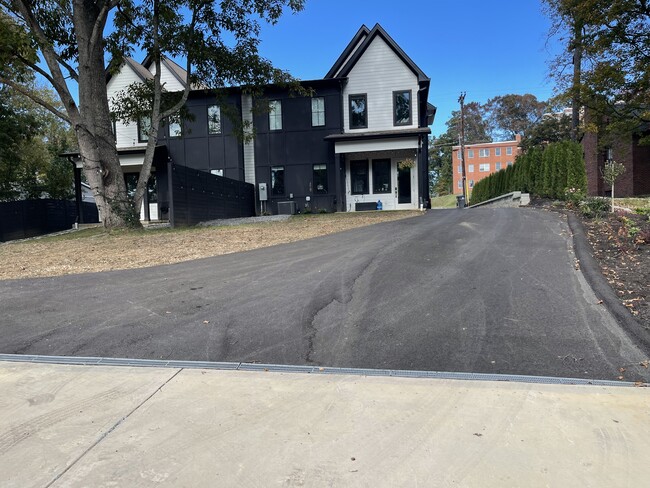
(381, 176)
(470, 168)
(175, 127)
(460, 168)
(214, 119)
(277, 180)
(460, 184)
(402, 107)
(483, 153)
(509, 163)
(358, 111)
(320, 178)
(484, 168)
(318, 112)
(359, 177)
(470, 153)
(497, 166)
(275, 115)
(497, 151)
(144, 127)
(471, 183)
(508, 151)
(459, 156)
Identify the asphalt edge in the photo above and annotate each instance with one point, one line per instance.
(316, 370)
(591, 271)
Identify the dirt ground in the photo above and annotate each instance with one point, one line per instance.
(91, 250)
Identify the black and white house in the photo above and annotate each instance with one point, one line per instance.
(360, 138)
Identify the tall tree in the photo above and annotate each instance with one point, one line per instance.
(440, 164)
(64, 43)
(477, 127)
(513, 114)
(608, 44)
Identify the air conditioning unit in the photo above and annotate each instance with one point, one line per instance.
(287, 208)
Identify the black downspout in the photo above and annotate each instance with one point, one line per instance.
(170, 189)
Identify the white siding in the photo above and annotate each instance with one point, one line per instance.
(127, 135)
(378, 73)
(350, 55)
(249, 147)
(167, 78)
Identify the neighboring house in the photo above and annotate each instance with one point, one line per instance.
(627, 151)
(361, 137)
(482, 160)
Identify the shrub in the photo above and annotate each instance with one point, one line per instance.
(594, 207)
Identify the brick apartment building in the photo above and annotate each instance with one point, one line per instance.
(482, 160)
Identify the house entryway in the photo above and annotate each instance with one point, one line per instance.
(403, 185)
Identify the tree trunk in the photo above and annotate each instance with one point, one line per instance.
(94, 128)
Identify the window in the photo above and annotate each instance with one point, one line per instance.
(509, 151)
(497, 166)
(509, 163)
(275, 115)
(483, 153)
(470, 169)
(460, 168)
(320, 178)
(318, 112)
(381, 176)
(277, 180)
(214, 119)
(459, 156)
(144, 126)
(497, 151)
(358, 111)
(460, 184)
(483, 168)
(402, 107)
(175, 128)
(470, 153)
(359, 177)
(471, 183)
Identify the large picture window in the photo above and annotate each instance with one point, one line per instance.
(317, 112)
(359, 177)
(275, 115)
(402, 107)
(277, 180)
(320, 178)
(358, 111)
(381, 176)
(214, 119)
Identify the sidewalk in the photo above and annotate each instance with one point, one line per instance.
(73, 426)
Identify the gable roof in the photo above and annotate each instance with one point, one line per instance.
(361, 34)
(377, 31)
(143, 73)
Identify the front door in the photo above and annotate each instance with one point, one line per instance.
(403, 185)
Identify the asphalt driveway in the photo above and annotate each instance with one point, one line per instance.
(484, 290)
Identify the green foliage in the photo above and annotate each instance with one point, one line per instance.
(556, 172)
(595, 207)
(440, 165)
(513, 114)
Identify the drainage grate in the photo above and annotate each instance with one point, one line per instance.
(280, 368)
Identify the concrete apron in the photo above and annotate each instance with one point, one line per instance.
(97, 426)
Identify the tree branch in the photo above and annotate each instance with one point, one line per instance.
(32, 96)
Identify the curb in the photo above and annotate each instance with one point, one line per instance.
(592, 273)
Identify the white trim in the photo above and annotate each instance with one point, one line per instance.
(344, 147)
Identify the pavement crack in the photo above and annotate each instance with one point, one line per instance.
(109, 431)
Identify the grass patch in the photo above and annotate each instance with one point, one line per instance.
(446, 201)
(633, 203)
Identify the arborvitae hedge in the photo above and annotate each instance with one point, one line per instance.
(548, 172)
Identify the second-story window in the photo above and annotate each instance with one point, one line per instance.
(483, 153)
(402, 107)
(358, 111)
(175, 126)
(275, 115)
(470, 153)
(497, 151)
(214, 119)
(317, 112)
(509, 151)
(144, 127)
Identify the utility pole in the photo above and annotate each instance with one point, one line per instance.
(461, 100)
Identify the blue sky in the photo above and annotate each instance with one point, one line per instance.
(480, 47)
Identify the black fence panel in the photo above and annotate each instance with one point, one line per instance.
(199, 196)
(30, 218)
